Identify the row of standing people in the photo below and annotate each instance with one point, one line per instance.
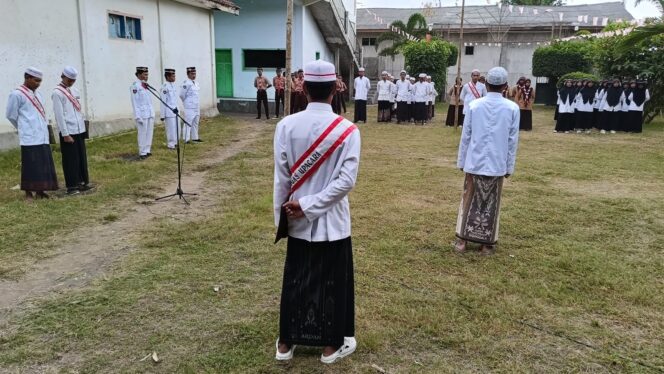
(610, 107)
(298, 98)
(408, 99)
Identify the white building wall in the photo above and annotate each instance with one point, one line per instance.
(313, 40)
(106, 66)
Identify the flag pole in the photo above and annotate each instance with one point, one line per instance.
(289, 44)
(456, 111)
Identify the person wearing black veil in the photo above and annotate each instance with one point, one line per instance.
(599, 97)
(612, 108)
(585, 100)
(638, 96)
(624, 107)
(566, 94)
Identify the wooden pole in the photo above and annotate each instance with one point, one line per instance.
(456, 111)
(289, 45)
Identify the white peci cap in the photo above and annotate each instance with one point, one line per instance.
(33, 71)
(320, 71)
(403, 72)
(384, 72)
(70, 72)
(361, 69)
(422, 75)
(497, 76)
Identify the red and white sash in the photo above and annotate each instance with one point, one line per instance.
(473, 89)
(35, 101)
(69, 96)
(319, 151)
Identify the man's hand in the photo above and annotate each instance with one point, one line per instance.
(162, 119)
(507, 176)
(293, 209)
(461, 169)
(68, 139)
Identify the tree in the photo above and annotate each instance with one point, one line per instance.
(432, 58)
(640, 35)
(561, 58)
(415, 26)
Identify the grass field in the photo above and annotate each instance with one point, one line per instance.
(575, 286)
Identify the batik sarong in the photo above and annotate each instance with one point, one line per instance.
(479, 211)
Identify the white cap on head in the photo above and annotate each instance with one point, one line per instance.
(384, 72)
(475, 71)
(70, 72)
(320, 71)
(497, 76)
(403, 72)
(34, 72)
(422, 75)
(428, 77)
(361, 69)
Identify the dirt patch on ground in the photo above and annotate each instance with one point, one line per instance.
(97, 247)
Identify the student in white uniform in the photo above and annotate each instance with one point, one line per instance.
(141, 101)
(71, 123)
(189, 93)
(487, 154)
(403, 93)
(421, 95)
(585, 107)
(611, 108)
(638, 97)
(566, 97)
(169, 94)
(317, 300)
(597, 105)
(25, 111)
(362, 86)
(472, 90)
(431, 102)
(384, 92)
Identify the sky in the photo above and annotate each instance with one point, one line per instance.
(645, 9)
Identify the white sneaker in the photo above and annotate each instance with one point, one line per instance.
(602, 132)
(555, 131)
(566, 132)
(587, 131)
(346, 349)
(613, 131)
(578, 131)
(284, 356)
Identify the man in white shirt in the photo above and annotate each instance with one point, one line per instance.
(384, 92)
(317, 300)
(71, 123)
(189, 93)
(472, 90)
(141, 101)
(362, 86)
(431, 102)
(487, 153)
(169, 95)
(421, 94)
(25, 111)
(403, 88)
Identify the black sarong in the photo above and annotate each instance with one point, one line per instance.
(318, 297)
(526, 120)
(584, 120)
(635, 121)
(360, 111)
(37, 168)
(402, 111)
(449, 121)
(420, 112)
(74, 162)
(384, 111)
(565, 122)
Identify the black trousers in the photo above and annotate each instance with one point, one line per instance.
(261, 98)
(279, 99)
(74, 161)
(360, 111)
(336, 105)
(342, 100)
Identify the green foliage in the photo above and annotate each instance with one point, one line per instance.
(577, 75)
(415, 26)
(432, 58)
(613, 26)
(561, 58)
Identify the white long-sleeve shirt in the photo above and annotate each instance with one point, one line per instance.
(403, 90)
(69, 119)
(32, 126)
(568, 105)
(421, 92)
(632, 104)
(362, 86)
(189, 93)
(384, 89)
(490, 136)
(323, 197)
(434, 93)
(608, 108)
(141, 101)
(467, 95)
(169, 93)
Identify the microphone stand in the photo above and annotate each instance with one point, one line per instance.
(178, 191)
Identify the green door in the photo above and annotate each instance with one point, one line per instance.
(224, 60)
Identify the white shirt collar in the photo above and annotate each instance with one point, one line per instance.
(319, 106)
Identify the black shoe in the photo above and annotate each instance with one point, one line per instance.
(143, 157)
(197, 141)
(187, 142)
(258, 117)
(84, 187)
(72, 192)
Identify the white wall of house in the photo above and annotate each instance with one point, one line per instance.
(261, 25)
(69, 32)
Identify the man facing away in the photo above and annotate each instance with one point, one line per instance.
(71, 123)
(316, 159)
(487, 153)
(472, 90)
(169, 94)
(25, 111)
(362, 85)
(141, 101)
(189, 94)
(261, 84)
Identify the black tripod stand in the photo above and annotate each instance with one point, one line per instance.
(178, 191)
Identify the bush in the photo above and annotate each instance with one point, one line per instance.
(432, 58)
(562, 58)
(576, 75)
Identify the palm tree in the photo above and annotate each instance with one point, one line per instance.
(416, 26)
(642, 33)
